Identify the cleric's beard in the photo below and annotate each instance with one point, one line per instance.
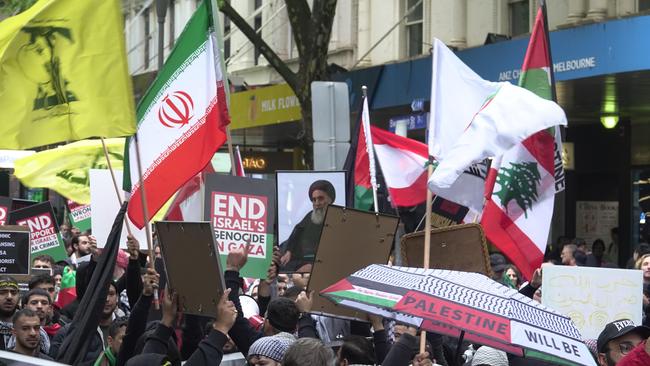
(318, 215)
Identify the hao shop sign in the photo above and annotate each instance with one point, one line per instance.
(242, 211)
(14, 250)
(43, 228)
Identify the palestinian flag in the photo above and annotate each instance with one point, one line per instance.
(68, 291)
(182, 118)
(357, 181)
(403, 162)
(521, 185)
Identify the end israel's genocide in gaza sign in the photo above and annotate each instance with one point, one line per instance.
(242, 212)
(44, 230)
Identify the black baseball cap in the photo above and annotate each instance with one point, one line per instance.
(619, 328)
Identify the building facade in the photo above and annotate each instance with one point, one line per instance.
(602, 72)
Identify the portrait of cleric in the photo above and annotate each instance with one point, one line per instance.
(299, 250)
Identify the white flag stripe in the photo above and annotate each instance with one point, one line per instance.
(405, 166)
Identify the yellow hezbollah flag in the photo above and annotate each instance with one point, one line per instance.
(63, 74)
(66, 168)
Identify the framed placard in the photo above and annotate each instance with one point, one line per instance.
(14, 250)
(191, 261)
(351, 239)
(299, 218)
(457, 248)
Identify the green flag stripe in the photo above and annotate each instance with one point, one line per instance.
(363, 198)
(187, 47)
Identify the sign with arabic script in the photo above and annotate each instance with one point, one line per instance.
(593, 297)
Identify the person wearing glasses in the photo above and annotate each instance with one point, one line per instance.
(618, 339)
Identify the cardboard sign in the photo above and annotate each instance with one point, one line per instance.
(350, 240)
(5, 207)
(593, 297)
(44, 230)
(14, 250)
(242, 210)
(456, 248)
(104, 206)
(79, 215)
(190, 257)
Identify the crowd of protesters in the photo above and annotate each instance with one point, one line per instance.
(281, 330)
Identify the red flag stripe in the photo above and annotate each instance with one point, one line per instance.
(537, 55)
(510, 240)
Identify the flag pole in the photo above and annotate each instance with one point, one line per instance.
(365, 121)
(427, 240)
(117, 190)
(145, 216)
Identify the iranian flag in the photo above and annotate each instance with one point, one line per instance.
(182, 118)
(522, 183)
(403, 162)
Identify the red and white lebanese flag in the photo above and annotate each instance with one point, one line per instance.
(181, 119)
(403, 162)
(521, 185)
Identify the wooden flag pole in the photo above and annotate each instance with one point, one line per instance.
(233, 168)
(427, 241)
(117, 189)
(145, 216)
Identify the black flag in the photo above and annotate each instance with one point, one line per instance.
(91, 306)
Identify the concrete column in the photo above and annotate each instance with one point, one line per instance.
(363, 32)
(238, 39)
(576, 11)
(597, 10)
(458, 23)
(625, 7)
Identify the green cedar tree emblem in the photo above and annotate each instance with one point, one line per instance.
(519, 183)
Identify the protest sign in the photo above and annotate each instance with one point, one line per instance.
(14, 250)
(456, 248)
(593, 297)
(104, 206)
(44, 230)
(242, 210)
(295, 210)
(5, 207)
(79, 215)
(351, 239)
(189, 255)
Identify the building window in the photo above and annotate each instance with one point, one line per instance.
(519, 11)
(147, 37)
(257, 24)
(172, 16)
(414, 28)
(644, 5)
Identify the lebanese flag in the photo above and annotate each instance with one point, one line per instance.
(403, 162)
(521, 185)
(181, 120)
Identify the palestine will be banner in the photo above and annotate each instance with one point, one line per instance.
(242, 211)
(64, 74)
(44, 230)
(519, 208)
(181, 119)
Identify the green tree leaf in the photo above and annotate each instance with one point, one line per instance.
(519, 182)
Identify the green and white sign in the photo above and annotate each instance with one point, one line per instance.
(79, 215)
(242, 211)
